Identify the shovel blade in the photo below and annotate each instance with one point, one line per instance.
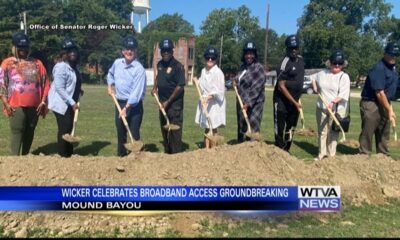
(216, 139)
(256, 136)
(72, 139)
(135, 146)
(171, 127)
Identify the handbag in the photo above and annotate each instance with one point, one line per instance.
(344, 121)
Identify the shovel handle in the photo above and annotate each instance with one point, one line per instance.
(394, 126)
(333, 116)
(161, 108)
(202, 108)
(301, 115)
(76, 113)
(246, 118)
(123, 119)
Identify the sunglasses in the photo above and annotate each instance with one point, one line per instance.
(166, 52)
(211, 58)
(337, 63)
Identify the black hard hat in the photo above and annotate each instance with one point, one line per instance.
(166, 44)
(249, 46)
(68, 43)
(20, 40)
(392, 49)
(211, 52)
(130, 42)
(292, 41)
(337, 56)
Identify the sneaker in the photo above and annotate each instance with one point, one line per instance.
(319, 158)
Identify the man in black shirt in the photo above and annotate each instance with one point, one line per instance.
(169, 85)
(287, 93)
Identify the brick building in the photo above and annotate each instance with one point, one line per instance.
(184, 53)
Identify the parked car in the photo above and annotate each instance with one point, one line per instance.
(228, 84)
(307, 85)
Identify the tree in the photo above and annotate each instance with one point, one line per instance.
(97, 47)
(233, 27)
(166, 26)
(169, 23)
(341, 24)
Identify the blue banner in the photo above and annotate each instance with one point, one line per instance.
(170, 198)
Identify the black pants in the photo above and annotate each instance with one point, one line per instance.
(22, 125)
(64, 123)
(134, 116)
(285, 120)
(172, 139)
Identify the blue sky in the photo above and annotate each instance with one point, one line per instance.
(283, 13)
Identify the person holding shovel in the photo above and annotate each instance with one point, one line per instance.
(212, 86)
(334, 86)
(24, 86)
(169, 86)
(287, 93)
(65, 92)
(250, 83)
(375, 109)
(128, 77)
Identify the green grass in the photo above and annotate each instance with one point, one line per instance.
(363, 221)
(97, 128)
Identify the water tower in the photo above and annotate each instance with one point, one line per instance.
(140, 7)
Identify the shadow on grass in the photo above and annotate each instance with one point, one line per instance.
(92, 149)
(307, 147)
(48, 149)
(151, 147)
(343, 149)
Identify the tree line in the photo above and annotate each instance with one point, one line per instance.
(359, 27)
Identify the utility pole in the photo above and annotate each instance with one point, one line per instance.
(220, 57)
(266, 40)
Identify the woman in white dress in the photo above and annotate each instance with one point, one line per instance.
(212, 87)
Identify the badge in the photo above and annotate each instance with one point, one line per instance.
(169, 70)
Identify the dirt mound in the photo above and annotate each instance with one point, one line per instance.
(362, 178)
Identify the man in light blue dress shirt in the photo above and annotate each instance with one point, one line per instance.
(128, 77)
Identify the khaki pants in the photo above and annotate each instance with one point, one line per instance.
(374, 121)
(327, 138)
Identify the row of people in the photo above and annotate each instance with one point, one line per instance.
(24, 87)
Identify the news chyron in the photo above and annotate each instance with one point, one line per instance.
(319, 198)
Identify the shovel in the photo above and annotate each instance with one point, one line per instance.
(394, 142)
(254, 136)
(71, 137)
(215, 139)
(304, 131)
(134, 146)
(343, 138)
(167, 126)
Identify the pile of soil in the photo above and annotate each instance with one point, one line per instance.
(362, 179)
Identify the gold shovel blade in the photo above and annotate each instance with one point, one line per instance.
(171, 127)
(72, 139)
(135, 146)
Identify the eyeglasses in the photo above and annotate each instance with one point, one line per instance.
(166, 52)
(337, 63)
(210, 58)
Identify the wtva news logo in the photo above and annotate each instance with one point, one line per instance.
(319, 198)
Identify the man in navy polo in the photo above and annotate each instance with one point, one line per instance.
(376, 112)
